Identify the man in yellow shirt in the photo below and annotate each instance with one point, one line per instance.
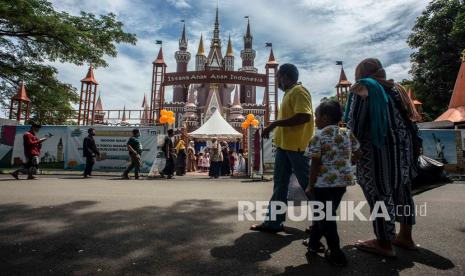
(293, 130)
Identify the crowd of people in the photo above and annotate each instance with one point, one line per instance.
(216, 158)
(376, 132)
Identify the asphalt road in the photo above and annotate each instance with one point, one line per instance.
(65, 225)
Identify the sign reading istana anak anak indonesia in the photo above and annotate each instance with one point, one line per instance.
(232, 77)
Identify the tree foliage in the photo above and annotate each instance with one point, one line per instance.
(439, 39)
(33, 35)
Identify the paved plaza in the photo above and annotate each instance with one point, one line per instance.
(65, 225)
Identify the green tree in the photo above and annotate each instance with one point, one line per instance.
(438, 38)
(32, 33)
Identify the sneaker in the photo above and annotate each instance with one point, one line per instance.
(31, 177)
(15, 175)
(125, 176)
(171, 177)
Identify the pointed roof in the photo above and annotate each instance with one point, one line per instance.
(123, 118)
(271, 59)
(229, 52)
(183, 36)
(183, 39)
(248, 33)
(144, 101)
(216, 41)
(21, 95)
(237, 101)
(343, 79)
(201, 50)
(90, 76)
(456, 111)
(191, 98)
(98, 104)
(217, 127)
(160, 59)
(458, 96)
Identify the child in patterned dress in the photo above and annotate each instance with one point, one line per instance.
(200, 162)
(333, 151)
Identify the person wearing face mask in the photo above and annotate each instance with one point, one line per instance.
(135, 151)
(32, 145)
(292, 132)
(90, 150)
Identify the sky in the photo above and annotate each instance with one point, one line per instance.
(312, 34)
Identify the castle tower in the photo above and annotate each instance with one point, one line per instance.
(270, 98)
(182, 59)
(229, 58)
(248, 93)
(236, 112)
(200, 58)
(215, 57)
(87, 100)
(22, 103)
(157, 97)
(190, 112)
(342, 88)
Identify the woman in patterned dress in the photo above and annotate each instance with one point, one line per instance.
(377, 115)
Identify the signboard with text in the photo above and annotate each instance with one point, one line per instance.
(232, 77)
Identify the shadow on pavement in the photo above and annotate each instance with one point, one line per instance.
(76, 239)
(361, 263)
(253, 247)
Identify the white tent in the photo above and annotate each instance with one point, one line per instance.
(217, 127)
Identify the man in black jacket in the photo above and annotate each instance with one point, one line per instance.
(90, 150)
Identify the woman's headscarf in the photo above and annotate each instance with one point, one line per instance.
(370, 74)
(180, 146)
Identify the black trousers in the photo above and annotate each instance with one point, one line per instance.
(90, 161)
(215, 169)
(169, 167)
(327, 228)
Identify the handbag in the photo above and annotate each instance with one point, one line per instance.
(430, 172)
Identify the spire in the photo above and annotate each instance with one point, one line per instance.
(21, 95)
(343, 79)
(458, 96)
(98, 105)
(248, 34)
(90, 76)
(144, 101)
(229, 52)
(237, 101)
(183, 40)
(271, 58)
(216, 32)
(160, 59)
(183, 36)
(191, 98)
(201, 50)
(123, 118)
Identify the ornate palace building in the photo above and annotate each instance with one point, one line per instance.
(193, 104)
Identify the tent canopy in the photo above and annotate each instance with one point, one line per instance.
(217, 127)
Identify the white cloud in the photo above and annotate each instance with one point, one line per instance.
(180, 4)
(313, 34)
